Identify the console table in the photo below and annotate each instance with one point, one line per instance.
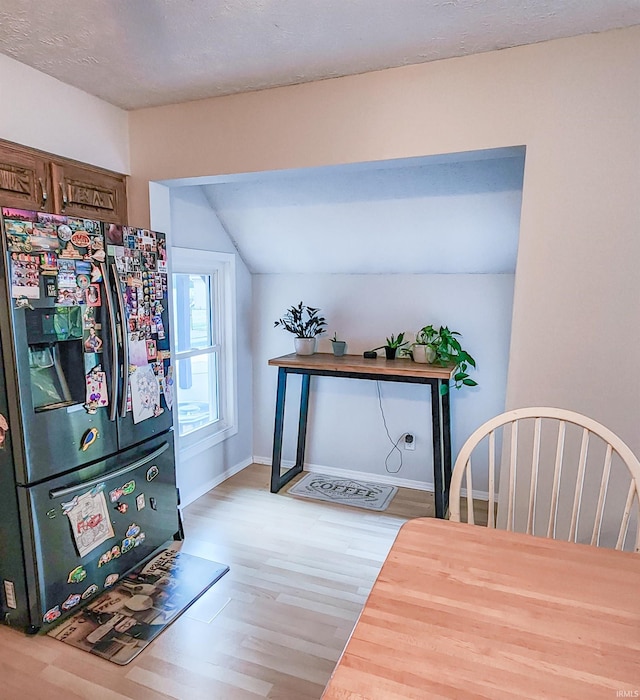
(379, 369)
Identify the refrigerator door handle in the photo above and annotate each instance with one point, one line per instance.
(125, 342)
(65, 491)
(113, 332)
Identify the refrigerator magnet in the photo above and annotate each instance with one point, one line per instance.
(50, 287)
(121, 507)
(128, 543)
(25, 276)
(88, 438)
(114, 234)
(168, 388)
(44, 237)
(92, 295)
(18, 234)
(80, 239)
(152, 472)
(93, 343)
(115, 495)
(133, 530)
(140, 504)
(70, 505)
(110, 580)
(64, 233)
(129, 488)
(83, 281)
(71, 601)
(70, 253)
(96, 274)
(77, 575)
(105, 558)
(140, 539)
(49, 264)
(90, 591)
(4, 429)
(51, 615)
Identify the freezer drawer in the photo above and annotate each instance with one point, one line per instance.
(92, 526)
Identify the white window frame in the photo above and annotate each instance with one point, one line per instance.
(221, 267)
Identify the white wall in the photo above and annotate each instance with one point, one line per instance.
(194, 225)
(347, 431)
(41, 112)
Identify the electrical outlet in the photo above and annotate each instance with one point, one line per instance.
(409, 441)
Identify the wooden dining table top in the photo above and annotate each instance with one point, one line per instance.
(463, 611)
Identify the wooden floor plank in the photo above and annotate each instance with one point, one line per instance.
(273, 627)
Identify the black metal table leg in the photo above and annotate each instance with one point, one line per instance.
(438, 461)
(446, 449)
(302, 421)
(278, 480)
(277, 430)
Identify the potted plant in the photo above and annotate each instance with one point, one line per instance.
(305, 323)
(424, 349)
(442, 347)
(339, 346)
(393, 344)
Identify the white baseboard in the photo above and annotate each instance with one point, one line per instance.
(187, 498)
(390, 479)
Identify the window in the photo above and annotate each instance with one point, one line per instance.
(204, 346)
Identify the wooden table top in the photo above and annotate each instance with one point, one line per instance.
(357, 364)
(462, 611)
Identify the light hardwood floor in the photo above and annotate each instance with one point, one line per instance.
(273, 627)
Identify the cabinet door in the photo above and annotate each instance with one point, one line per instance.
(89, 192)
(24, 179)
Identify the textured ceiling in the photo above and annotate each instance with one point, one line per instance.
(142, 53)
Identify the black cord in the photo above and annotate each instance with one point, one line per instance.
(395, 444)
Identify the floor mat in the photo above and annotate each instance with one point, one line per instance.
(350, 492)
(121, 622)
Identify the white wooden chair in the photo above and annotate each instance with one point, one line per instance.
(596, 448)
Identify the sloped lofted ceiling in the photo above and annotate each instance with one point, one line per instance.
(444, 214)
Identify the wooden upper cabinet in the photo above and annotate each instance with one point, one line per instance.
(80, 190)
(25, 181)
(32, 179)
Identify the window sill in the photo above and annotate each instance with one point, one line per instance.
(193, 444)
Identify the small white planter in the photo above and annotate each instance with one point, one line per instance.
(304, 346)
(423, 354)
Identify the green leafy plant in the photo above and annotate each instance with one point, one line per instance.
(303, 321)
(447, 349)
(335, 338)
(396, 342)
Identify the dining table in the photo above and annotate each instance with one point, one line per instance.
(465, 611)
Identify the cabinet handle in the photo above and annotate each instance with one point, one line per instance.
(43, 202)
(65, 201)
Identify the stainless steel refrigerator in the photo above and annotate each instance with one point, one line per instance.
(87, 470)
